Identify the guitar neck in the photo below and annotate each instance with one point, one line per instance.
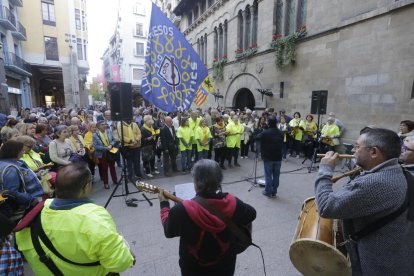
(172, 197)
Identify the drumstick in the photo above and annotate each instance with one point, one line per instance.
(339, 155)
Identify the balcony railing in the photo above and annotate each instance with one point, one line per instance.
(18, 3)
(20, 32)
(7, 19)
(16, 64)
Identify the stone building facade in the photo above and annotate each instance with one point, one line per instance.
(361, 52)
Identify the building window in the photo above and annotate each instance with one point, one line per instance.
(202, 7)
(139, 51)
(84, 28)
(220, 41)
(201, 54)
(77, 19)
(195, 13)
(248, 20)
(190, 18)
(85, 50)
(301, 16)
(205, 48)
(79, 48)
(139, 29)
(278, 16)
(255, 20)
(412, 91)
(240, 31)
(290, 18)
(137, 74)
(225, 40)
(48, 12)
(51, 48)
(138, 9)
(199, 47)
(215, 44)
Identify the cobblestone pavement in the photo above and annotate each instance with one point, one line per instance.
(273, 228)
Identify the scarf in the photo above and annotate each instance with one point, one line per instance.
(104, 138)
(152, 131)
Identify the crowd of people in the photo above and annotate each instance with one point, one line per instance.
(39, 145)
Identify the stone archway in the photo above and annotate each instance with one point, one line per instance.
(243, 82)
(244, 98)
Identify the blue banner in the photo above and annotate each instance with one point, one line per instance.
(173, 70)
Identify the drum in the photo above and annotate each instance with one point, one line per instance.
(315, 248)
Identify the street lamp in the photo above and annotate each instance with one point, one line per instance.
(71, 41)
(265, 92)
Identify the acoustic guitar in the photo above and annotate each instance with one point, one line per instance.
(243, 233)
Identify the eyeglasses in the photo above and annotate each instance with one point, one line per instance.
(404, 148)
(357, 147)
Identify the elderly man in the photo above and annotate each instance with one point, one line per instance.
(169, 145)
(339, 123)
(205, 247)
(407, 154)
(377, 226)
(79, 230)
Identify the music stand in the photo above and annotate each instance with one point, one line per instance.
(131, 202)
(254, 182)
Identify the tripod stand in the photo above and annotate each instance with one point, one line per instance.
(131, 202)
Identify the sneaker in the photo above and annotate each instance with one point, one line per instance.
(274, 195)
(156, 172)
(149, 175)
(266, 194)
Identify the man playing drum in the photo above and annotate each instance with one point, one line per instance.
(384, 247)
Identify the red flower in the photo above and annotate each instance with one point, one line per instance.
(239, 51)
(301, 27)
(276, 36)
(214, 60)
(225, 57)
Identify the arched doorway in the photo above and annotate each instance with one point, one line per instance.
(244, 98)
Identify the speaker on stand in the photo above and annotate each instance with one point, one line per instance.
(121, 110)
(319, 102)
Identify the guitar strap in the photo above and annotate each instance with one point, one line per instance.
(244, 238)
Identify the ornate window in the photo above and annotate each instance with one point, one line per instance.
(301, 15)
(240, 33)
(278, 16)
(215, 43)
(205, 48)
(290, 17)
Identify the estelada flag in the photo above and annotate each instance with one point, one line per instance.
(174, 73)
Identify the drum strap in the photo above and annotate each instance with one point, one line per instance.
(376, 225)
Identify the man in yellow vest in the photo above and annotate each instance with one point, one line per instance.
(131, 149)
(194, 123)
(80, 231)
(233, 131)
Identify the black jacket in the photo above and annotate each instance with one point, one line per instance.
(271, 140)
(168, 142)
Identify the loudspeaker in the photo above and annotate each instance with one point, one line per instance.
(121, 100)
(319, 102)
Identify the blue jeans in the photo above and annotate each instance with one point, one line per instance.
(133, 161)
(203, 154)
(186, 160)
(272, 173)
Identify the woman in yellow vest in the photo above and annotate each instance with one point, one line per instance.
(297, 125)
(77, 140)
(234, 131)
(285, 129)
(35, 163)
(185, 135)
(203, 136)
(330, 135)
(90, 150)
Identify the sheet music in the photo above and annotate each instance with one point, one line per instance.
(185, 191)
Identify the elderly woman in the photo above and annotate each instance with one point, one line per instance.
(26, 129)
(406, 129)
(329, 135)
(297, 125)
(219, 141)
(61, 148)
(42, 142)
(148, 144)
(77, 140)
(10, 134)
(35, 163)
(19, 180)
(103, 142)
(203, 137)
(90, 149)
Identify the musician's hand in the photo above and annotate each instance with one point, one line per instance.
(330, 159)
(161, 196)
